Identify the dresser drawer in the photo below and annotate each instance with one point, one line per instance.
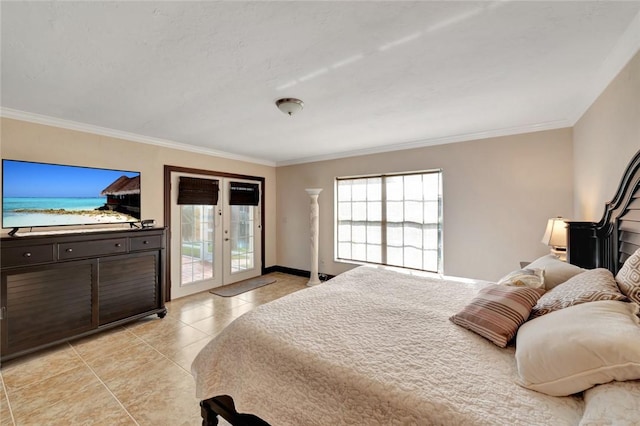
(145, 243)
(28, 255)
(91, 248)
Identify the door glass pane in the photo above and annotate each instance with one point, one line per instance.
(241, 238)
(196, 248)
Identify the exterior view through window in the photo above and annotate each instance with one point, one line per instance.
(242, 247)
(393, 219)
(197, 242)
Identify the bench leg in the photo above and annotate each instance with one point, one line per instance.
(209, 418)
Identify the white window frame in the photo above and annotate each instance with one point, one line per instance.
(346, 220)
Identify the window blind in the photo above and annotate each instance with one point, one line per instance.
(197, 191)
(244, 194)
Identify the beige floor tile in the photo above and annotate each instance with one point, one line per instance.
(52, 390)
(118, 364)
(93, 407)
(151, 379)
(151, 409)
(5, 416)
(185, 356)
(154, 326)
(261, 298)
(235, 312)
(213, 325)
(5, 411)
(176, 339)
(204, 296)
(192, 314)
(219, 303)
(183, 302)
(164, 384)
(22, 371)
(103, 344)
(223, 318)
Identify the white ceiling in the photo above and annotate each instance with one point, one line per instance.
(374, 76)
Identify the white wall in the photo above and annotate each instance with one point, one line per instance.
(21, 140)
(604, 140)
(498, 195)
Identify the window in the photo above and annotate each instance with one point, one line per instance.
(391, 220)
(242, 225)
(244, 198)
(197, 242)
(197, 198)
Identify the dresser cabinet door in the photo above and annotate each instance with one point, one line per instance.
(46, 304)
(128, 286)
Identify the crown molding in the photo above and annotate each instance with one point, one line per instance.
(466, 137)
(627, 46)
(103, 131)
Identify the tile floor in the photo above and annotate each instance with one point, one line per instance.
(138, 374)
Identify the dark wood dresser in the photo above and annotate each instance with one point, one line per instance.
(62, 286)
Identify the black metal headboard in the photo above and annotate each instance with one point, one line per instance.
(609, 242)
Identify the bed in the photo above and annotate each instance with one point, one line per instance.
(352, 352)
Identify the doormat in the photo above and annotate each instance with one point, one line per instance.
(242, 286)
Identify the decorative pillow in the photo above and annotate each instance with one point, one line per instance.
(628, 277)
(614, 403)
(497, 311)
(573, 349)
(589, 286)
(555, 270)
(527, 277)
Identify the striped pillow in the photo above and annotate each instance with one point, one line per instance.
(497, 311)
(628, 277)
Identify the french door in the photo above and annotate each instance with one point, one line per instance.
(214, 244)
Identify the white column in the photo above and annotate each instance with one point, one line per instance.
(314, 228)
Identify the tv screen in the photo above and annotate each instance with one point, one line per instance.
(40, 194)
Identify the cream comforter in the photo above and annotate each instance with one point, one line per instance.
(371, 347)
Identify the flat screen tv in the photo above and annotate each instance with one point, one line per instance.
(41, 194)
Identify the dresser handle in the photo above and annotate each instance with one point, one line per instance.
(118, 245)
(145, 242)
(69, 250)
(27, 254)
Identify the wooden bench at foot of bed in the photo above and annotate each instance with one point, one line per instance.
(224, 407)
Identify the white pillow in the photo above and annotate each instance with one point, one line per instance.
(533, 278)
(555, 270)
(575, 348)
(615, 403)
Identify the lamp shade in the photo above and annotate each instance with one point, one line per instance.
(556, 233)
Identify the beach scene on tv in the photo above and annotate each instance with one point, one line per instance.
(37, 194)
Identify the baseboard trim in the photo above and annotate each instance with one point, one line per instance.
(294, 271)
